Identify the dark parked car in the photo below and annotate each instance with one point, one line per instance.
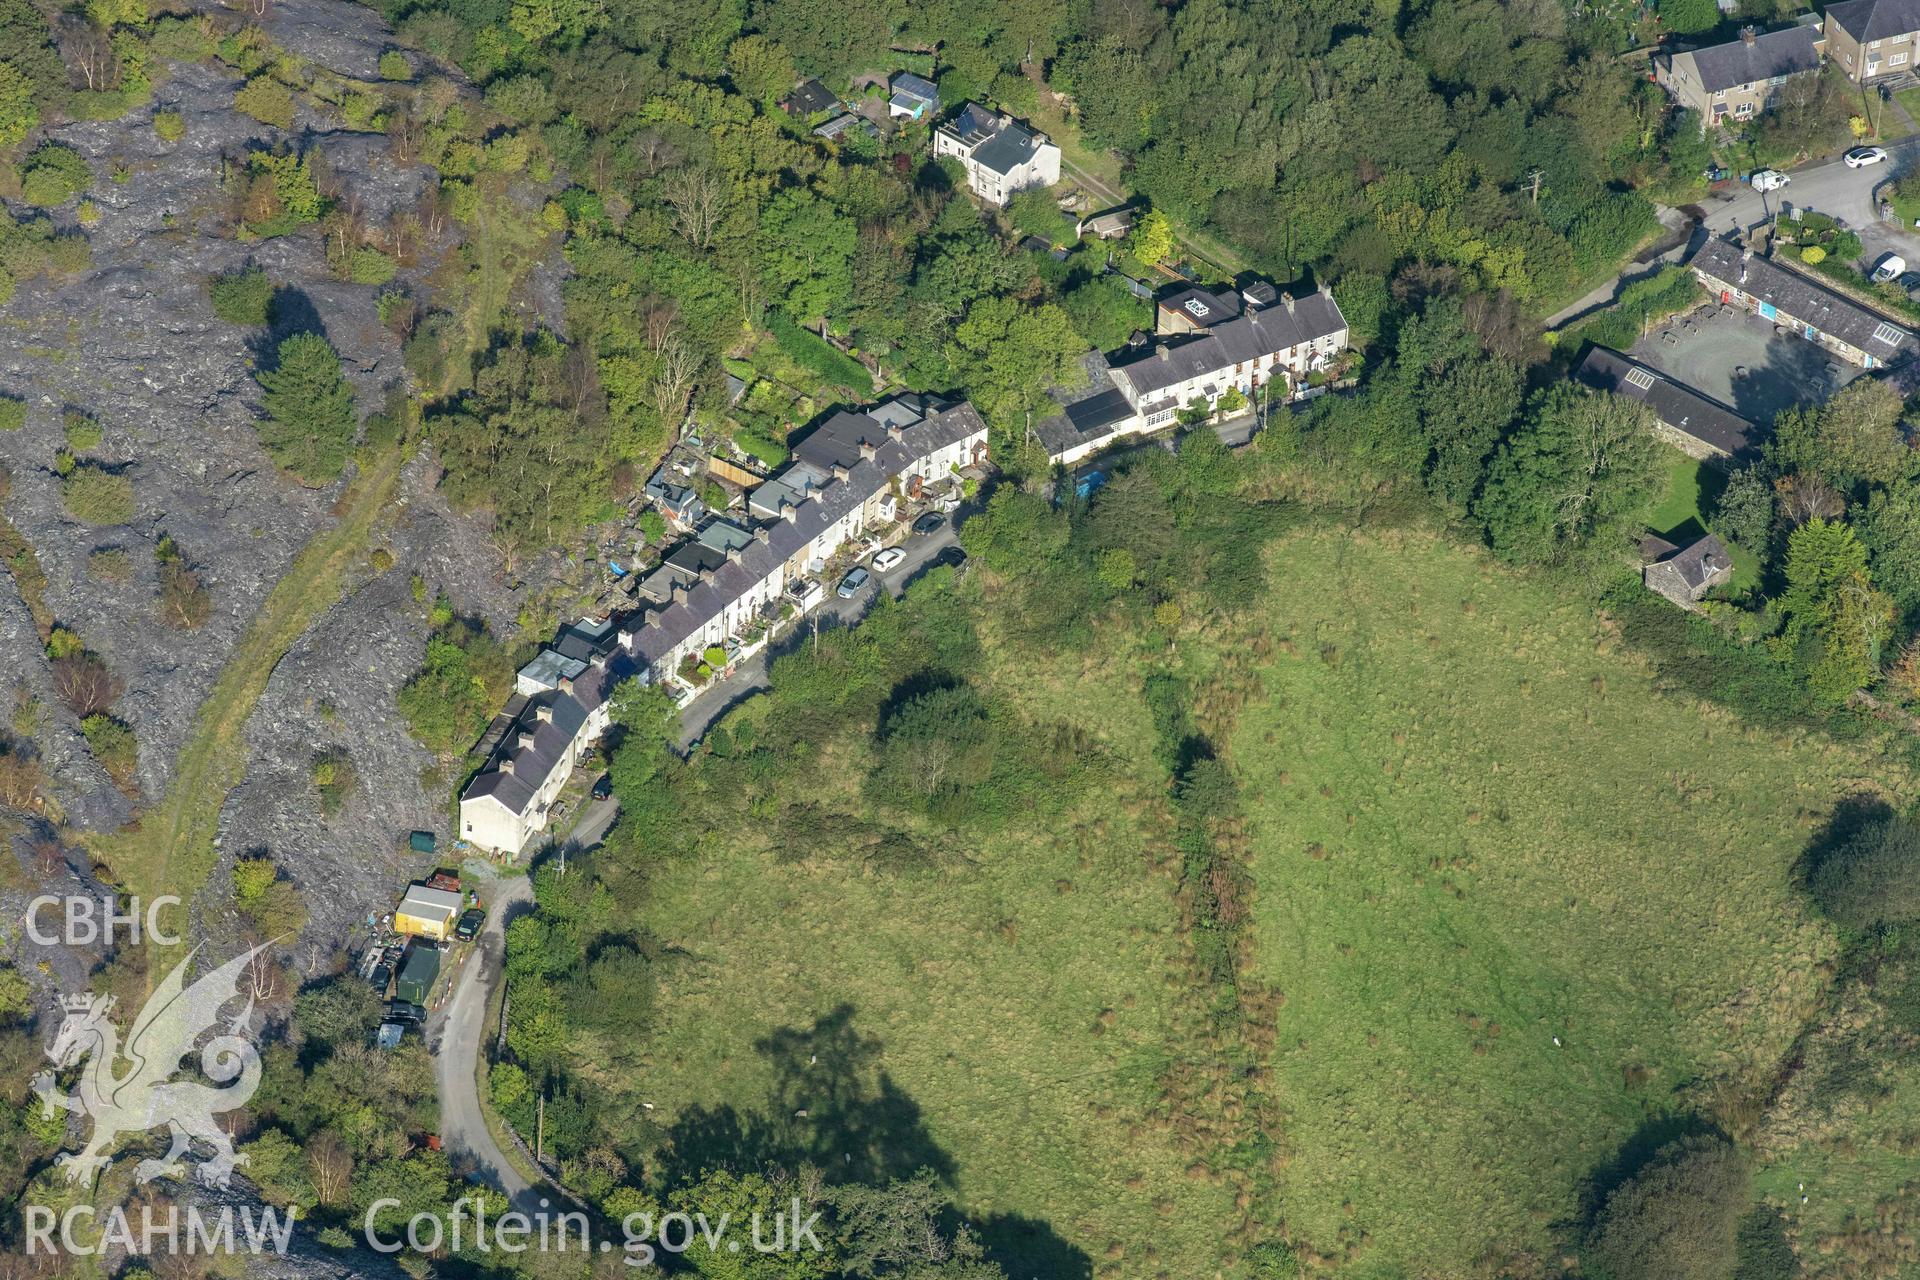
(603, 787)
(381, 978)
(931, 522)
(468, 926)
(401, 1011)
(953, 557)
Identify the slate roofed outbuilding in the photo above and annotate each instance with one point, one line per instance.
(1676, 404)
(914, 86)
(1786, 52)
(1866, 20)
(1795, 296)
(809, 97)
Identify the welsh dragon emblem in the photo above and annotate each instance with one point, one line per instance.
(145, 1096)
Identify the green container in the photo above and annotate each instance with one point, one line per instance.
(422, 842)
(417, 974)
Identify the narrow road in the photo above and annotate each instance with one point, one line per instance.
(751, 675)
(457, 1031)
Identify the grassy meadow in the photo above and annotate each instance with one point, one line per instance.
(1479, 828)
(1473, 825)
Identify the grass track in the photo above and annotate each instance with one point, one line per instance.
(171, 849)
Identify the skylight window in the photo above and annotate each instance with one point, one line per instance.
(1888, 334)
(1640, 379)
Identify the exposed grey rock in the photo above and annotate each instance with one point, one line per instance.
(134, 343)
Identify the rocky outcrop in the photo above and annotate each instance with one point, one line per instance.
(133, 342)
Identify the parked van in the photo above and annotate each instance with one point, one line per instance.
(1769, 180)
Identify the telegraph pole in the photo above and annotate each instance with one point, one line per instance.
(1534, 178)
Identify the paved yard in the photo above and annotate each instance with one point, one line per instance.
(1742, 361)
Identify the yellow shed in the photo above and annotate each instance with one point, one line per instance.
(427, 912)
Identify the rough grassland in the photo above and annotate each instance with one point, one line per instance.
(1025, 1002)
(1478, 827)
(1475, 825)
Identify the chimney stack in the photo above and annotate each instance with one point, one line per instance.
(867, 451)
(543, 714)
(525, 741)
(566, 684)
(790, 513)
(506, 766)
(733, 555)
(1748, 35)
(840, 472)
(760, 535)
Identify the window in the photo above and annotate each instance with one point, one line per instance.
(1783, 79)
(469, 828)
(1874, 45)
(1640, 379)
(1897, 60)
(1888, 334)
(1719, 94)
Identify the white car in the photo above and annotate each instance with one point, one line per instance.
(1769, 180)
(1890, 267)
(1861, 157)
(887, 559)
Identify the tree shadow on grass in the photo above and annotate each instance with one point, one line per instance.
(1850, 817)
(831, 1105)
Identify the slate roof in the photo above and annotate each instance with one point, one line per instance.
(1265, 332)
(786, 537)
(1008, 149)
(549, 668)
(1200, 306)
(913, 86)
(1798, 298)
(1777, 53)
(1085, 421)
(664, 629)
(1866, 20)
(973, 123)
(808, 97)
(1698, 563)
(1674, 403)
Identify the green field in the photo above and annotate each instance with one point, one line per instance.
(1492, 831)
(1473, 825)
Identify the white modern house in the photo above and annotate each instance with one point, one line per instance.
(1001, 155)
(1260, 343)
(840, 483)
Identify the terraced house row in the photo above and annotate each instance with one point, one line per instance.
(733, 578)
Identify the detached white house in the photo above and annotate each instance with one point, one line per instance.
(1001, 155)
